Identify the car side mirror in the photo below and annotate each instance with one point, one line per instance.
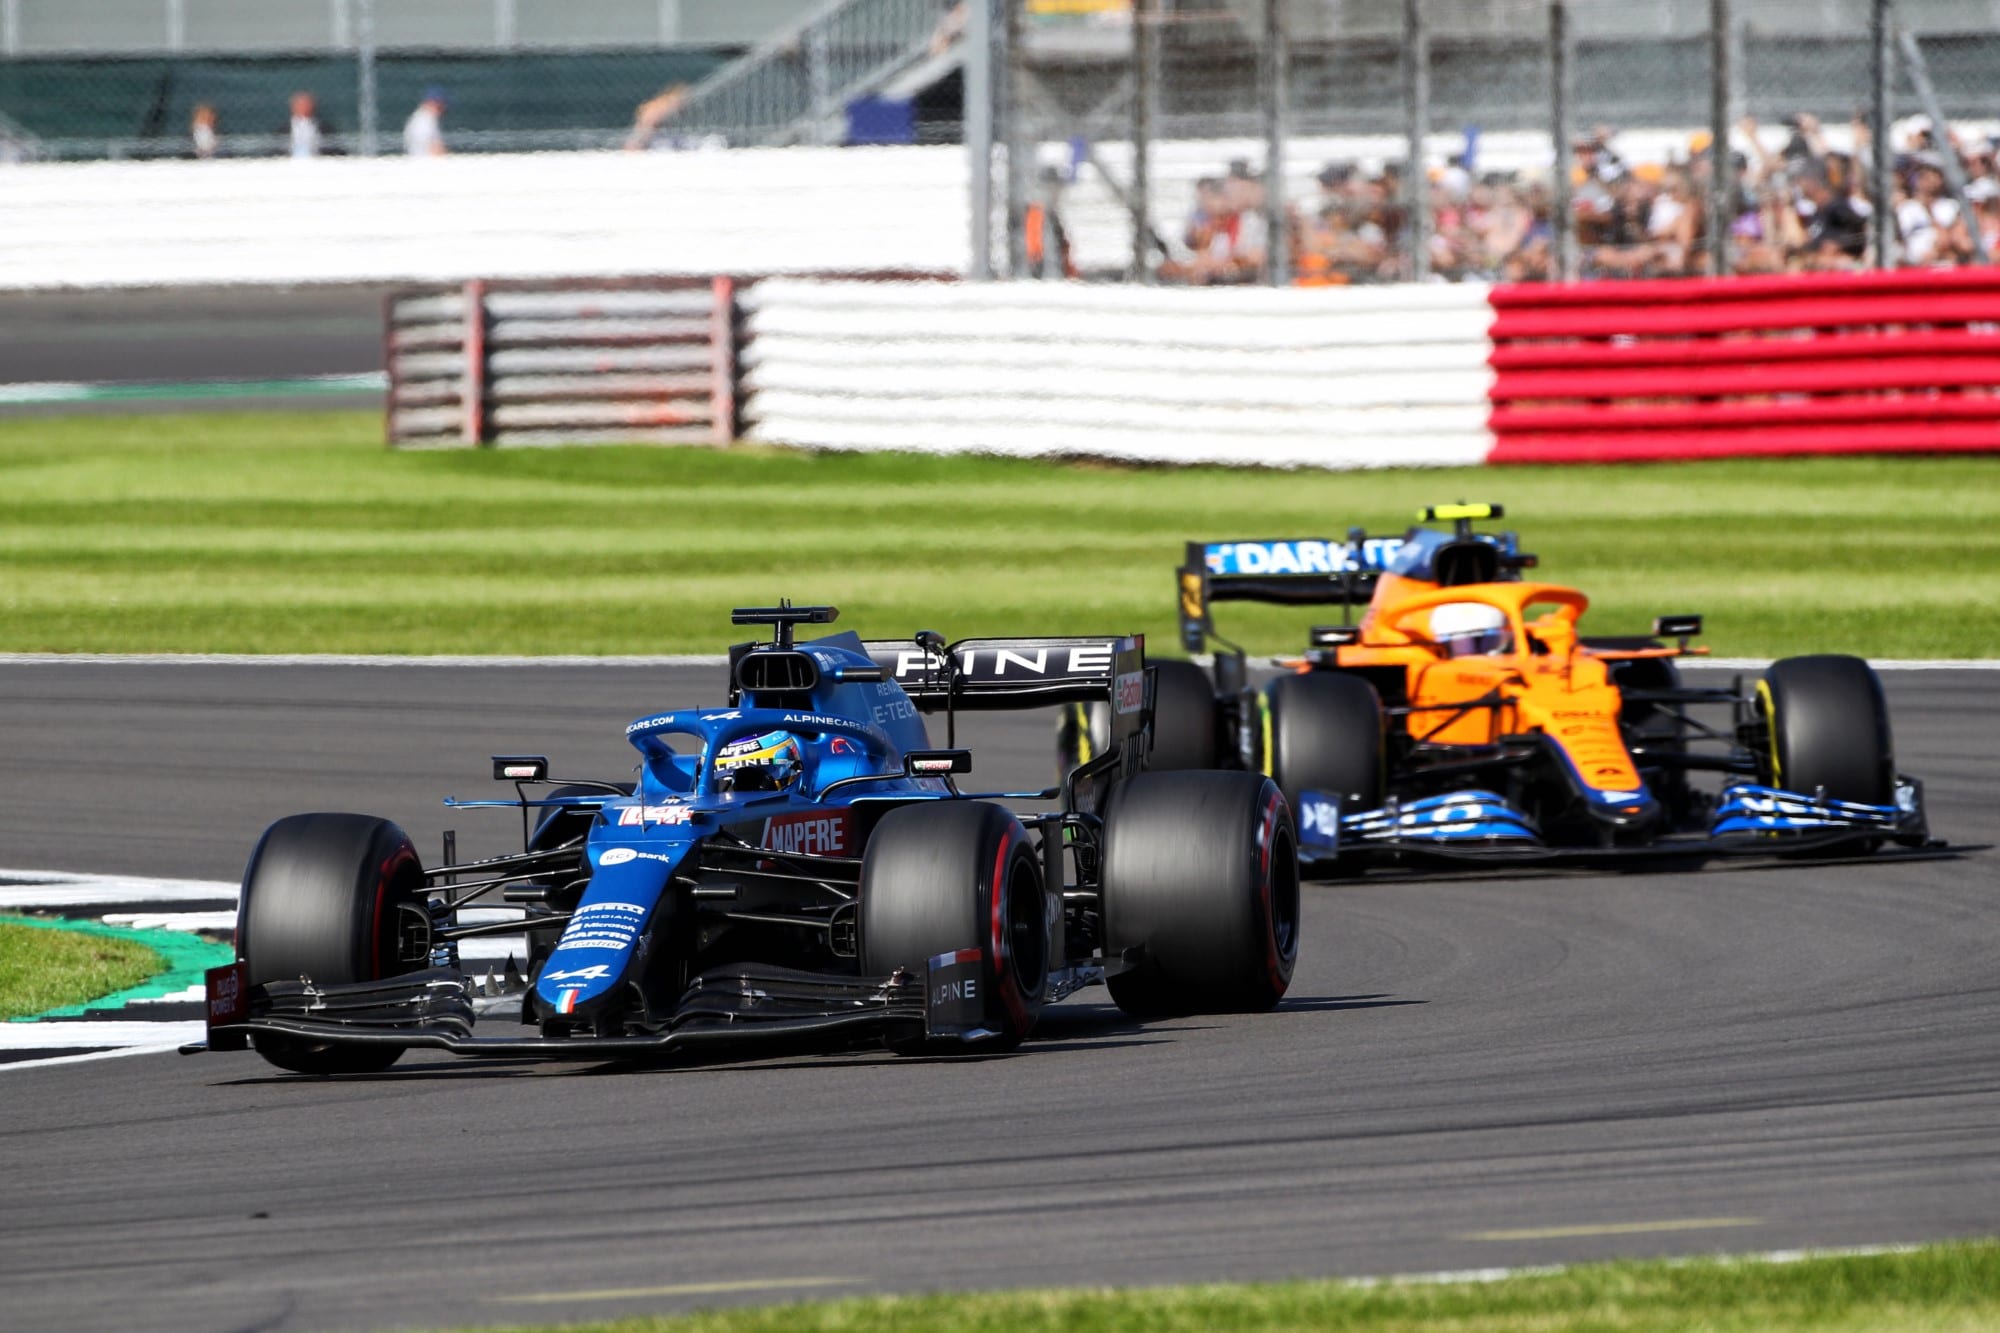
(936, 763)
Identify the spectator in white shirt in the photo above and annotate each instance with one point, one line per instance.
(423, 132)
(305, 132)
(202, 131)
(1932, 229)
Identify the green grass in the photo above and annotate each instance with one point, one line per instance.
(1936, 1288)
(43, 968)
(301, 533)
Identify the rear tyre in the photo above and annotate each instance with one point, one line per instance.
(1186, 722)
(1828, 727)
(1083, 731)
(1201, 875)
(942, 876)
(1323, 732)
(336, 898)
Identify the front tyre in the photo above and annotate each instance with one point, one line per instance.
(1323, 731)
(942, 876)
(335, 898)
(1827, 728)
(1201, 876)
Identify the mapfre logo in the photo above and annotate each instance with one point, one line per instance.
(812, 835)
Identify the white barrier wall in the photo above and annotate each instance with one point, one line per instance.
(545, 215)
(450, 219)
(453, 219)
(1327, 377)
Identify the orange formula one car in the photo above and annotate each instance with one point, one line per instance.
(1467, 716)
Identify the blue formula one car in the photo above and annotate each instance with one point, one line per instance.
(796, 864)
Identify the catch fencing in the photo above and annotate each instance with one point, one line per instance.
(1716, 110)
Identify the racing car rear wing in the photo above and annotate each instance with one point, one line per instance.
(1016, 673)
(1032, 673)
(1285, 571)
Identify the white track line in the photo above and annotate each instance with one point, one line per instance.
(21, 889)
(79, 1032)
(182, 921)
(1484, 1275)
(84, 1057)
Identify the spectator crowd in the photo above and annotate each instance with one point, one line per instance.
(1805, 205)
(306, 134)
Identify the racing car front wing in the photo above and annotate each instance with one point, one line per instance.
(731, 1007)
(1749, 820)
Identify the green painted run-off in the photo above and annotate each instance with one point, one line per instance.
(186, 956)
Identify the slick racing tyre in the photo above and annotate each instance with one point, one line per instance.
(1201, 876)
(1828, 726)
(336, 898)
(942, 876)
(1322, 731)
(1083, 730)
(1186, 721)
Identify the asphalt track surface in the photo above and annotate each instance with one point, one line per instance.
(1466, 1074)
(191, 334)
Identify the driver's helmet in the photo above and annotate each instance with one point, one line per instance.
(770, 762)
(1468, 629)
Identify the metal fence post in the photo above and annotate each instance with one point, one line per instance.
(722, 363)
(1954, 174)
(10, 27)
(979, 133)
(1882, 181)
(1721, 176)
(472, 426)
(1145, 71)
(364, 60)
(1416, 116)
(819, 83)
(1014, 101)
(1277, 64)
(1562, 55)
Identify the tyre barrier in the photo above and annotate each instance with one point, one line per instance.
(572, 362)
(1830, 363)
(1406, 376)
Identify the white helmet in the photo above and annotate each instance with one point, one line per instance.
(1466, 629)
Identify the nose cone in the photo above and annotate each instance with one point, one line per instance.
(1627, 811)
